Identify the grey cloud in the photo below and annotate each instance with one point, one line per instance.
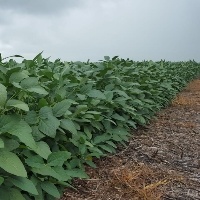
(41, 7)
(90, 29)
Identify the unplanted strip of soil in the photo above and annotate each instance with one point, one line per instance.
(162, 160)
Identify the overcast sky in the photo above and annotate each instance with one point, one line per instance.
(90, 29)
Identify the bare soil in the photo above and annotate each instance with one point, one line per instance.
(161, 161)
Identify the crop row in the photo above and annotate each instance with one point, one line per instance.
(55, 117)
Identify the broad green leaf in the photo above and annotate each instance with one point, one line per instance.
(29, 82)
(122, 93)
(106, 148)
(45, 112)
(17, 85)
(3, 96)
(1, 180)
(41, 193)
(111, 144)
(58, 158)
(7, 193)
(35, 161)
(68, 125)
(43, 149)
(79, 109)
(12, 164)
(49, 126)
(95, 102)
(10, 144)
(120, 131)
(101, 138)
(24, 184)
(81, 96)
(17, 104)
(87, 132)
(107, 58)
(50, 188)
(96, 94)
(140, 119)
(62, 172)
(27, 197)
(38, 89)
(38, 58)
(32, 85)
(46, 170)
(23, 131)
(42, 102)
(109, 95)
(118, 117)
(8, 121)
(31, 117)
(18, 76)
(3, 69)
(37, 135)
(60, 108)
(1, 143)
(76, 173)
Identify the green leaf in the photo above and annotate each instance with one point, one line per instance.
(42, 102)
(38, 89)
(87, 132)
(107, 58)
(76, 173)
(24, 184)
(7, 193)
(18, 76)
(1, 180)
(109, 95)
(111, 144)
(38, 57)
(43, 149)
(3, 69)
(141, 120)
(17, 104)
(58, 158)
(29, 82)
(12, 164)
(62, 173)
(41, 193)
(32, 85)
(68, 125)
(45, 112)
(31, 117)
(106, 148)
(37, 135)
(3, 96)
(35, 161)
(46, 170)
(23, 131)
(101, 138)
(60, 108)
(118, 117)
(79, 109)
(81, 96)
(10, 144)
(120, 131)
(50, 188)
(8, 121)
(96, 94)
(49, 126)
(1, 143)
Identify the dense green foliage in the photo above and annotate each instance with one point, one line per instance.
(57, 116)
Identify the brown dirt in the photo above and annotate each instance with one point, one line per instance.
(161, 161)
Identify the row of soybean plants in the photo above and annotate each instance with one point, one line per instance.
(55, 117)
